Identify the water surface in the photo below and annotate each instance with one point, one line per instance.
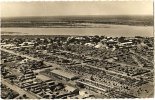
(108, 30)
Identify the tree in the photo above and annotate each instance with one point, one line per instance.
(92, 78)
(10, 94)
(121, 39)
(24, 95)
(96, 39)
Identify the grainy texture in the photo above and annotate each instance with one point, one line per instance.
(77, 50)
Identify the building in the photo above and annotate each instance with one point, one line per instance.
(63, 75)
(27, 43)
(71, 89)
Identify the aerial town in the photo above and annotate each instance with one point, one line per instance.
(76, 67)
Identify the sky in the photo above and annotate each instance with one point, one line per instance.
(63, 8)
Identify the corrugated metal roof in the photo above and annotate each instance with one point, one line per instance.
(64, 74)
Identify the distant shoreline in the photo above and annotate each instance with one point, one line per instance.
(76, 21)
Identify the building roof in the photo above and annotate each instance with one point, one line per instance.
(127, 43)
(64, 74)
(89, 44)
(8, 45)
(26, 46)
(70, 88)
(100, 45)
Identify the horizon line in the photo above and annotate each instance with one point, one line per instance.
(74, 15)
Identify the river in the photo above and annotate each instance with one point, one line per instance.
(109, 30)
